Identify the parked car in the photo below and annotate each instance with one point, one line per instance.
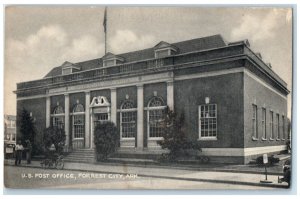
(286, 168)
(271, 160)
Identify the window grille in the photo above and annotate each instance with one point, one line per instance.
(271, 125)
(277, 127)
(78, 121)
(58, 118)
(128, 120)
(156, 112)
(208, 121)
(254, 121)
(263, 123)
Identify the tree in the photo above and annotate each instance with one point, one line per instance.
(175, 138)
(56, 136)
(106, 139)
(27, 128)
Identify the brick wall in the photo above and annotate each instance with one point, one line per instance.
(261, 96)
(223, 90)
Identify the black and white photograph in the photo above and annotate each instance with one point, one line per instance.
(106, 97)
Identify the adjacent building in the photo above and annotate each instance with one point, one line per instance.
(9, 134)
(233, 102)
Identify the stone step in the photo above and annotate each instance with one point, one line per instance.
(85, 150)
(81, 154)
(79, 157)
(80, 160)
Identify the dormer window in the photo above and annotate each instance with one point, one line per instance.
(164, 49)
(69, 68)
(111, 60)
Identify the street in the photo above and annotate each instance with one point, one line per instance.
(28, 177)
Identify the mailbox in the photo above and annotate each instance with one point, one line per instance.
(265, 158)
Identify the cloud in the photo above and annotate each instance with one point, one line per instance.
(83, 48)
(34, 56)
(256, 26)
(49, 47)
(127, 40)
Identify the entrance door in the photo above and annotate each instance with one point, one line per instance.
(78, 132)
(99, 118)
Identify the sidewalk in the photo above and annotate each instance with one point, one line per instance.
(220, 175)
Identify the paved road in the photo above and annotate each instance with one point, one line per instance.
(22, 177)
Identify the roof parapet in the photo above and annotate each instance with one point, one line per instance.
(246, 42)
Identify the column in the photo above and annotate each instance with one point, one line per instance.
(140, 117)
(92, 130)
(67, 123)
(113, 105)
(170, 95)
(48, 113)
(87, 119)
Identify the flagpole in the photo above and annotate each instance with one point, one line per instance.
(105, 29)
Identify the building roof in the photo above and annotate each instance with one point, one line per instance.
(198, 44)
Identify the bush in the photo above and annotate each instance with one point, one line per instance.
(56, 136)
(27, 128)
(176, 140)
(106, 140)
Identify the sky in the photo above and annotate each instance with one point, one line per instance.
(39, 38)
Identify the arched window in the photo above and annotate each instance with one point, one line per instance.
(128, 120)
(156, 111)
(78, 121)
(58, 117)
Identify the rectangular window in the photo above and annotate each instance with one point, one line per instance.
(7, 136)
(12, 123)
(58, 121)
(109, 63)
(283, 128)
(128, 124)
(66, 71)
(271, 125)
(162, 53)
(277, 127)
(254, 121)
(156, 120)
(208, 121)
(263, 123)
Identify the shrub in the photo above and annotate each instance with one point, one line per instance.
(56, 136)
(106, 139)
(175, 138)
(27, 127)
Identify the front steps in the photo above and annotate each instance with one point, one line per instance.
(81, 155)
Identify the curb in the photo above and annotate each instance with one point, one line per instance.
(189, 168)
(173, 178)
(182, 167)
